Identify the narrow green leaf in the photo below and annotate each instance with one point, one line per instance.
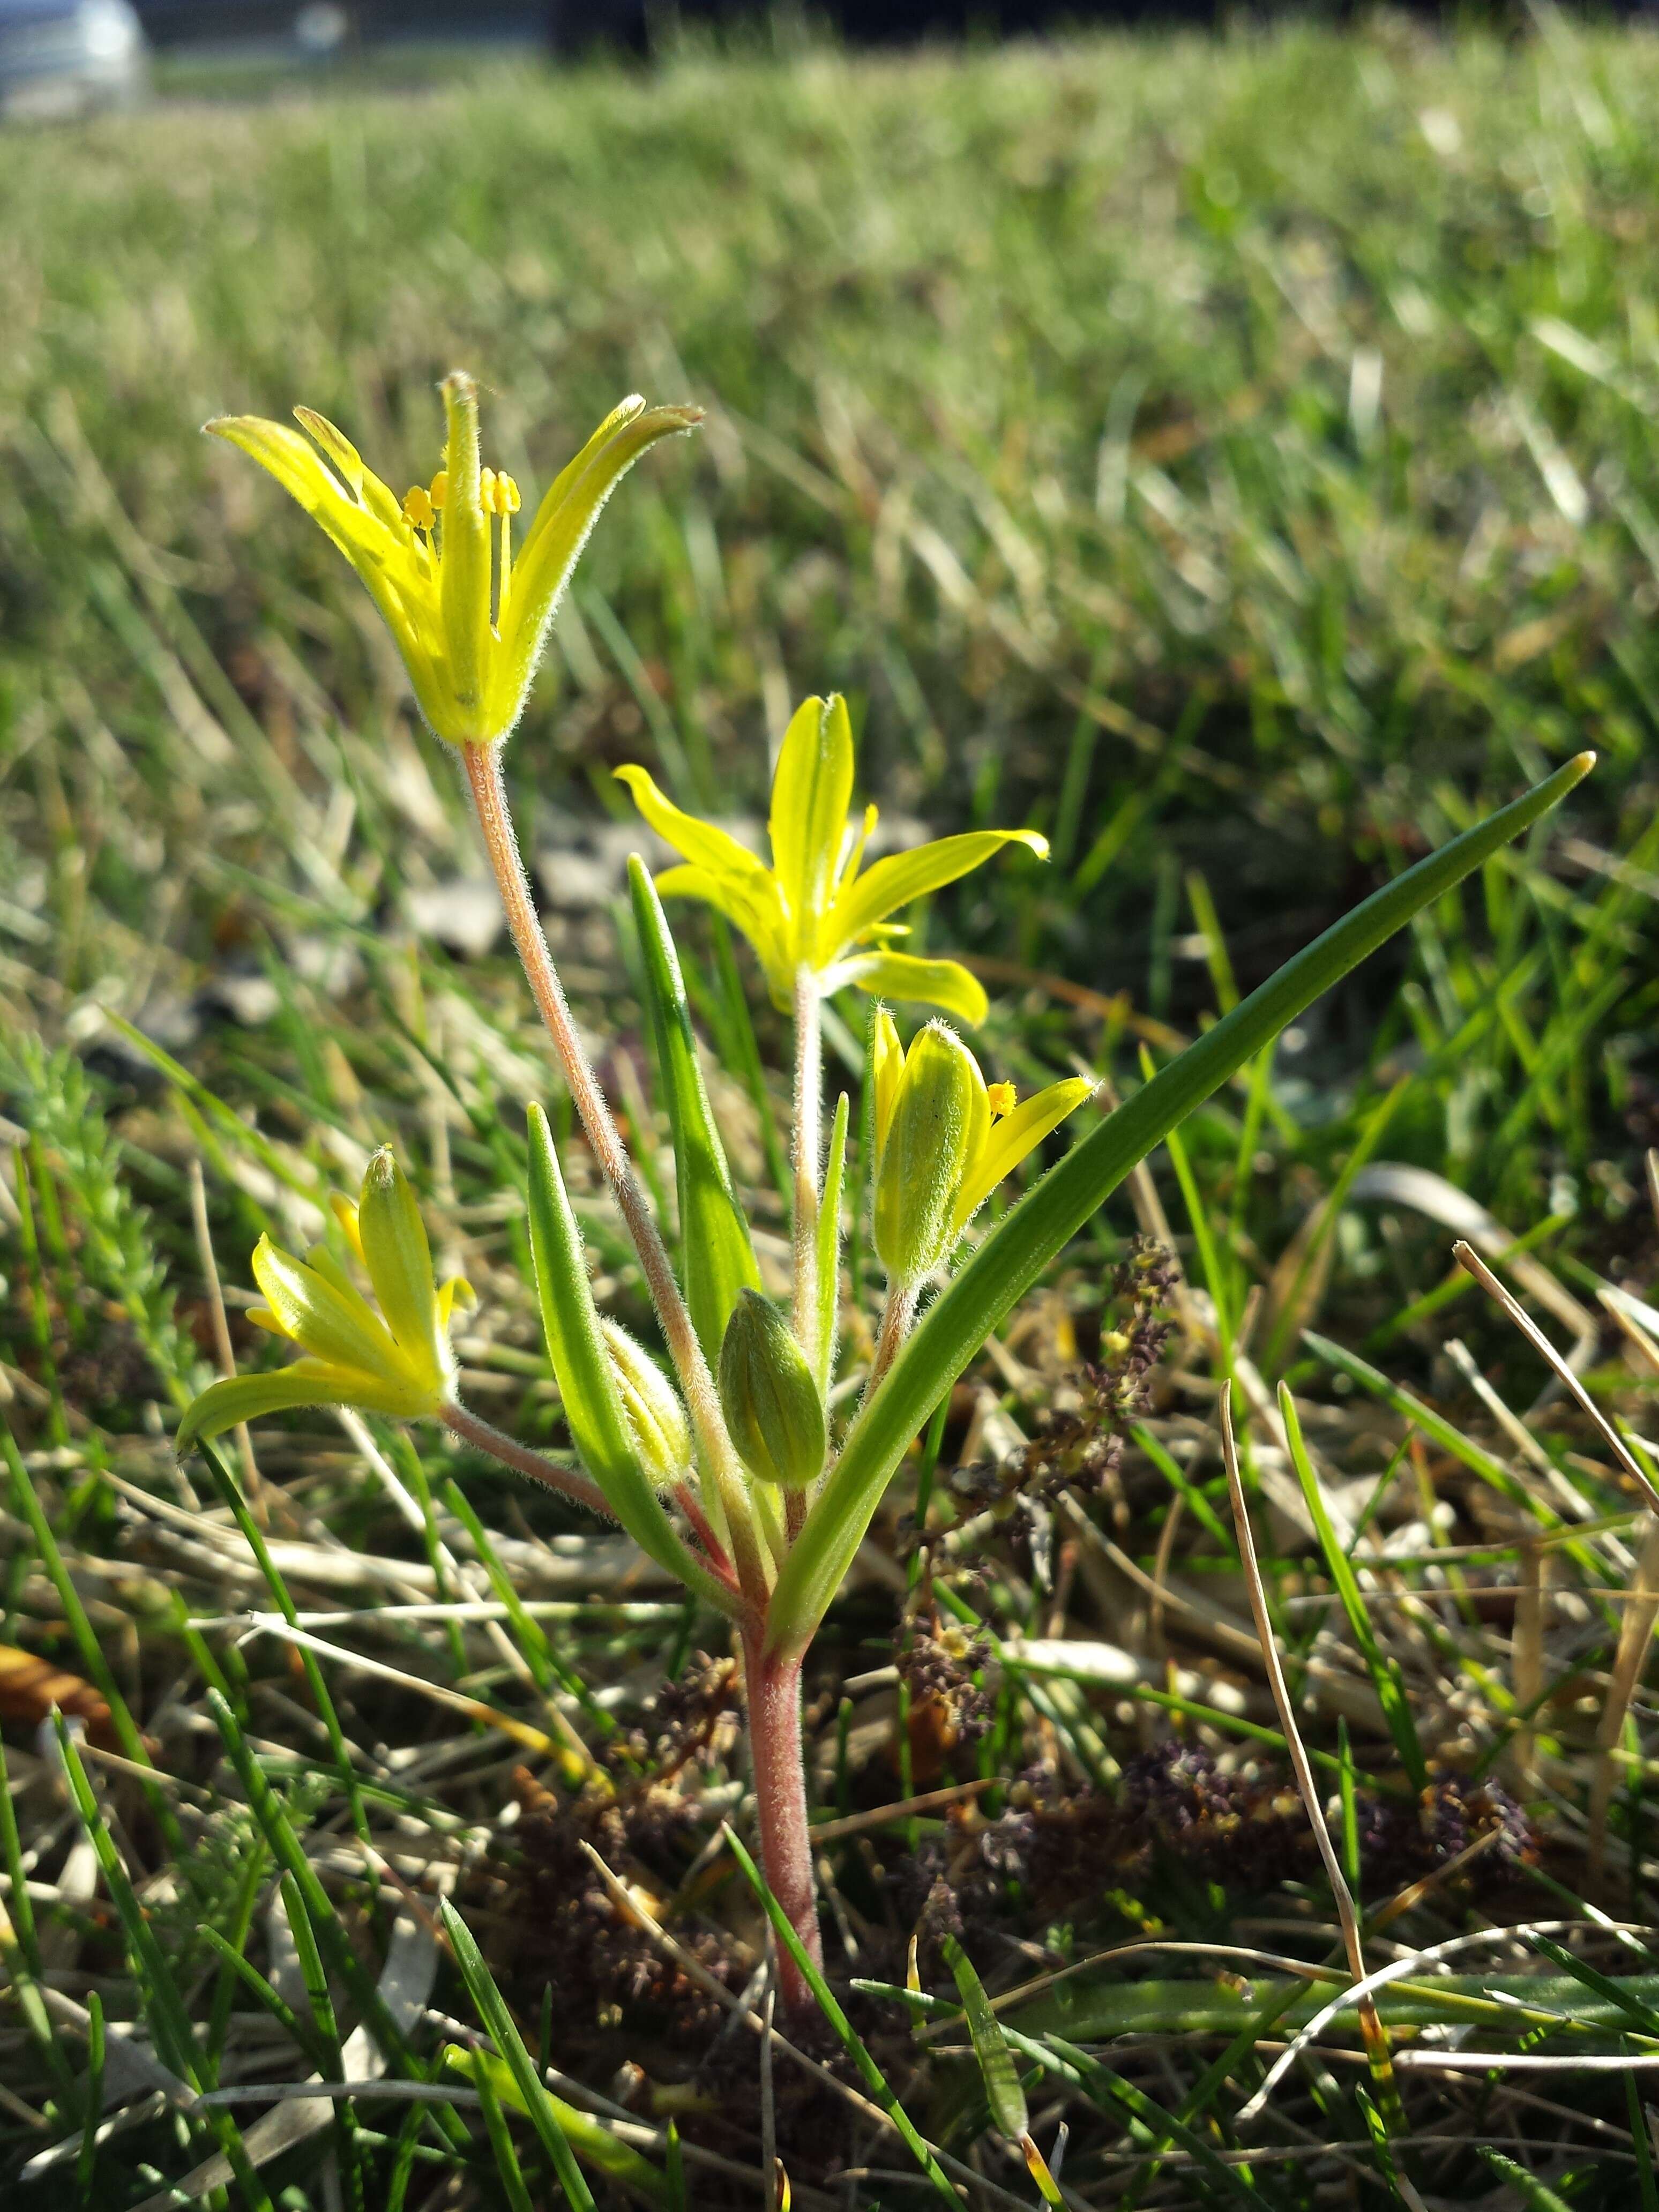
(165, 2008)
(91, 1651)
(20, 1949)
(483, 2077)
(1639, 2010)
(589, 2137)
(1384, 1670)
(581, 1365)
(1526, 2186)
(717, 1258)
(537, 2104)
(253, 1536)
(301, 2033)
(343, 1962)
(851, 2042)
(1009, 2114)
(86, 2159)
(1015, 1254)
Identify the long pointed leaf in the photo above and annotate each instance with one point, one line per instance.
(582, 1367)
(718, 1260)
(1014, 1256)
(1003, 2093)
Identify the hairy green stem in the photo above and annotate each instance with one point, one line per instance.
(808, 1144)
(897, 1317)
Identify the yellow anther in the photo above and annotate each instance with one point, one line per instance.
(487, 490)
(418, 507)
(506, 494)
(439, 486)
(1002, 1098)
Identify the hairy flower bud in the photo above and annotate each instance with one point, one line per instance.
(656, 1418)
(937, 1117)
(769, 1399)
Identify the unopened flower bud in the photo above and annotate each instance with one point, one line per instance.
(936, 1124)
(768, 1396)
(656, 1418)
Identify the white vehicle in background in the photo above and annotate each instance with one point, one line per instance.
(68, 58)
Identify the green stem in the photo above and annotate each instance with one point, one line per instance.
(808, 1144)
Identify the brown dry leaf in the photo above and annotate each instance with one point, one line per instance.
(30, 1686)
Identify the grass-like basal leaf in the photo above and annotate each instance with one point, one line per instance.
(1017, 1250)
(582, 1367)
(717, 1258)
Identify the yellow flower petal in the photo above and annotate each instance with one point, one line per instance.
(337, 1326)
(759, 918)
(812, 792)
(345, 1213)
(565, 517)
(464, 572)
(900, 975)
(704, 844)
(399, 1263)
(902, 877)
(1009, 1140)
(888, 1056)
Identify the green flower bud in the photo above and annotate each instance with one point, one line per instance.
(937, 1118)
(656, 1418)
(769, 1399)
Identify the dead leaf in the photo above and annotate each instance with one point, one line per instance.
(30, 1686)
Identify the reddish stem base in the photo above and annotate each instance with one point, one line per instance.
(774, 1690)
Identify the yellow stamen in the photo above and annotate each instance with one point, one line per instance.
(418, 507)
(439, 486)
(1003, 1098)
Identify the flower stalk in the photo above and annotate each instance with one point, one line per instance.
(808, 1149)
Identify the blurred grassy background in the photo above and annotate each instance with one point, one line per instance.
(1237, 459)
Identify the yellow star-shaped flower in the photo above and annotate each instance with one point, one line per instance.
(470, 622)
(815, 907)
(397, 1361)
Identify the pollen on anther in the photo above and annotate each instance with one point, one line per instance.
(418, 507)
(1002, 1098)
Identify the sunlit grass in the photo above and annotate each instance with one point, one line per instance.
(1237, 462)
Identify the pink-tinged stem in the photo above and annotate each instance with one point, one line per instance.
(522, 1459)
(686, 1499)
(773, 1686)
(483, 775)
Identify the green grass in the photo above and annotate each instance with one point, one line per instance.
(1237, 459)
